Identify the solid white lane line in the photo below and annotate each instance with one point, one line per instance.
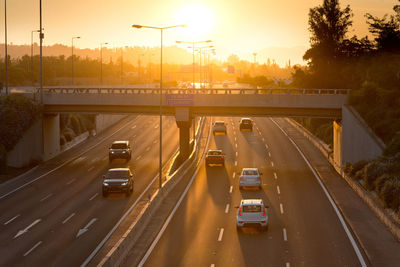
(234, 175)
(269, 154)
(46, 197)
(284, 234)
(21, 232)
(133, 127)
(35, 246)
(235, 162)
(341, 219)
(281, 208)
(275, 176)
(70, 182)
(230, 189)
(12, 219)
(139, 157)
(91, 168)
(221, 234)
(272, 163)
(277, 189)
(95, 195)
(69, 217)
(227, 208)
(236, 153)
(63, 164)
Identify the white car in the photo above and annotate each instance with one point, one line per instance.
(250, 177)
(219, 127)
(252, 212)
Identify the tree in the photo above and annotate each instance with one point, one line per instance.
(328, 25)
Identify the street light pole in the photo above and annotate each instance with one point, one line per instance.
(101, 62)
(5, 45)
(32, 76)
(72, 57)
(41, 54)
(161, 88)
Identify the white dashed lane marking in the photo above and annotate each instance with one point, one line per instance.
(12, 219)
(230, 189)
(71, 181)
(281, 208)
(284, 234)
(46, 197)
(91, 168)
(275, 176)
(69, 217)
(35, 246)
(272, 163)
(95, 195)
(221, 234)
(233, 175)
(277, 189)
(227, 208)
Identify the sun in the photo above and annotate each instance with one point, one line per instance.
(199, 18)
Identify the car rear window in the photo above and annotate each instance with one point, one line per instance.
(214, 153)
(250, 172)
(246, 121)
(219, 124)
(117, 174)
(118, 146)
(251, 208)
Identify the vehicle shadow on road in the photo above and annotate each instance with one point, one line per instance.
(217, 180)
(253, 140)
(222, 142)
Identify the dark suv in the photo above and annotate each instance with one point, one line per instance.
(215, 157)
(119, 150)
(119, 180)
(246, 124)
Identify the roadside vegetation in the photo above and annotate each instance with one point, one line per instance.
(72, 125)
(17, 114)
(371, 68)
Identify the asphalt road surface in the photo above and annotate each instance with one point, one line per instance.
(304, 229)
(60, 218)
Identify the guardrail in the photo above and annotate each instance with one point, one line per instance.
(280, 91)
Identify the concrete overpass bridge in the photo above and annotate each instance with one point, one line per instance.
(185, 104)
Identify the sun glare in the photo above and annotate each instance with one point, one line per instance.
(199, 18)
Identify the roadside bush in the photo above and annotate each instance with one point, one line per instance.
(75, 124)
(358, 166)
(68, 134)
(394, 145)
(390, 193)
(372, 171)
(62, 140)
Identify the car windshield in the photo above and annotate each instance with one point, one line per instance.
(121, 174)
(118, 146)
(214, 152)
(250, 172)
(251, 208)
(219, 124)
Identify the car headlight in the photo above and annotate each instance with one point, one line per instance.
(105, 184)
(112, 152)
(123, 184)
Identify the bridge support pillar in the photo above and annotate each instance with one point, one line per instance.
(50, 135)
(183, 121)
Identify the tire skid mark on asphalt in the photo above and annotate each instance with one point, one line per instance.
(33, 248)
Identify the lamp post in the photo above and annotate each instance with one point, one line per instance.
(193, 46)
(101, 62)
(32, 76)
(5, 44)
(161, 58)
(72, 57)
(41, 36)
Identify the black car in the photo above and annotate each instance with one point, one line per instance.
(118, 180)
(215, 157)
(246, 124)
(119, 150)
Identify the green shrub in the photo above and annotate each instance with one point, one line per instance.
(75, 124)
(68, 134)
(372, 171)
(390, 193)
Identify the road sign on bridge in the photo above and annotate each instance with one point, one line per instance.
(180, 100)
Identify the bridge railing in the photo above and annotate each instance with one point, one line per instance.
(280, 91)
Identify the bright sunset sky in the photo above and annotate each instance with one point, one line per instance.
(236, 26)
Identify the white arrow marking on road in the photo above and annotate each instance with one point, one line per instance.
(83, 230)
(21, 232)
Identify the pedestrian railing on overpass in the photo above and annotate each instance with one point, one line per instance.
(110, 90)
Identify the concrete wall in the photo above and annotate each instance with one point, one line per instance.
(51, 136)
(103, 121)
(337, 143)
(28, 148)
(358, 140)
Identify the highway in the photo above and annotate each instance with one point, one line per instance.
(304, 229)
(60, 217)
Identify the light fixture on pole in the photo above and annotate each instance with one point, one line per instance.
(5, 44)
(72, 57)
(193, 46)
(161, 86)
(101, 62)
